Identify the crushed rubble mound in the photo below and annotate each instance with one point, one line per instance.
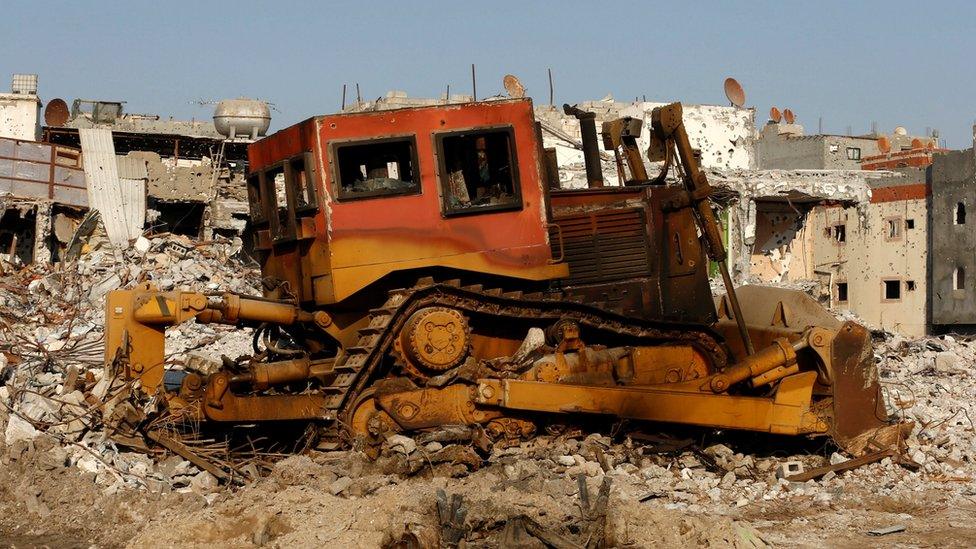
(64, 479)
(51, 333)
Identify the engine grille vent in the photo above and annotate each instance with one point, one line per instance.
(603, 246)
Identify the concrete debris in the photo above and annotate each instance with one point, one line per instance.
(722, 487)
(55, 387)
(887, 530)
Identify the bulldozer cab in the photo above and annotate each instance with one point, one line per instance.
(340, 201)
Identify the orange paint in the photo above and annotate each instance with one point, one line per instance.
(367, 238)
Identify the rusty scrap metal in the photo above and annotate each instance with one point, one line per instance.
(451, 513)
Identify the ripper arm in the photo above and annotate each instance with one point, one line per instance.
(136, 322)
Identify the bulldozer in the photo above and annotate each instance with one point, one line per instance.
(421, 268)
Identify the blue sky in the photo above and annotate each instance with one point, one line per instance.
(896, 62)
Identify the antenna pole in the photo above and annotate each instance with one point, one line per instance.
(474, 85)
(550, 87)
(343, 97)
(359, 98)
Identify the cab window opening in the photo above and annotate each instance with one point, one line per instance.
(377, 168)
(479, 171)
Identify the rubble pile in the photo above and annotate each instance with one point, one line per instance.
(54, 392)
(55, 399)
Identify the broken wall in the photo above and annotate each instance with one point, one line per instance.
(781, 147)
(19, 114)
(874, 259)
(953, 240)
(768, 209)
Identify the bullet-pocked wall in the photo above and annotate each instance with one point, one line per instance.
(953, 240)
(874, 257)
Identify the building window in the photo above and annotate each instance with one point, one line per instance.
(959, 279)
(837, 232)
(842, 292)
(893, 228)
(909, 223)
(380, 167)
(910, 285)
(960, 213)
(853, 153)
(479, 171)
(892, 290)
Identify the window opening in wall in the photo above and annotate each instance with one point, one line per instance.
(838, 232)
(959, 279)
(960, 213)
(377, 168)
(853, 153)
(893, 231)
(909, 223)
(892, 289)
(842, 291)
(910, 285)
(479, 171)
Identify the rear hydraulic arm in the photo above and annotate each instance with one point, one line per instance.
(136, 322)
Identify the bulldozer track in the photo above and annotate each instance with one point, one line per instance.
(356, 366)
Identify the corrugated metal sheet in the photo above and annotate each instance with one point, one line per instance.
(131, 167)
(106, 192)
(133, 173)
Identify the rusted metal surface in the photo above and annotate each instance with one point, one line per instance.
(33, 170)
(591, 148)
(355, 343)
(662, 273)
(606, 245)
(842, 466)
(857, 404)
(620, 136)
(357, 242)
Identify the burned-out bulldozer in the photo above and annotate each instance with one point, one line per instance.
(422, 269)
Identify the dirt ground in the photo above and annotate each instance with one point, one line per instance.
(43, 503)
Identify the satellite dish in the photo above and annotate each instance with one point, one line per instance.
(56, 112)
(884, 145)
(789, 116)
(513, 86)
(775, 115)
(734, 92)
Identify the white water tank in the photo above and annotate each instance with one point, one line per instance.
(242, 117)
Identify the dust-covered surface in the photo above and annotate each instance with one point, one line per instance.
(64, 482)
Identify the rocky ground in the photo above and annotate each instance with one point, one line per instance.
(64, 483)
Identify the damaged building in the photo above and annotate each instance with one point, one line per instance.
(194, 176)
(142, 173)
(952, 240)
(868, 250)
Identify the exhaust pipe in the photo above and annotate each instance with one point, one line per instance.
(591, 147)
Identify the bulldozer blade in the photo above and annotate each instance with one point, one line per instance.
(858, 408)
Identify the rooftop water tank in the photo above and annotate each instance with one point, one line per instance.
(242, 117)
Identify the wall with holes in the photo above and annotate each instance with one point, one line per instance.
(19, 115)
(874, 265)
(953, 226)
(777, 254)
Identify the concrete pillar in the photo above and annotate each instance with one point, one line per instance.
(42, 233)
